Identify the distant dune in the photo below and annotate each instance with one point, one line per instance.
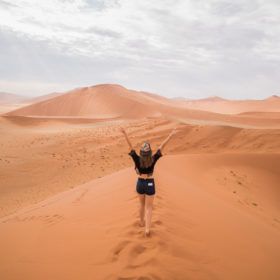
(11, 98)
(115, 101)
(11, 101)
(110, 101)
(101, 101)
(45, 97)
(224, 106)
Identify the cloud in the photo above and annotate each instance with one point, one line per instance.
(5, 4)
(173, 47)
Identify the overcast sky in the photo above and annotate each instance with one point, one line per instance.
(190, 48)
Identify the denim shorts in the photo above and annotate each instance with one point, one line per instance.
(146, 186)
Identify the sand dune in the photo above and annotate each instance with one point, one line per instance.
(102, 101)
(224, 106)
(92, 231)
(11, 98)
(68, 206)
(74, 151)
(11, 101)
(116, 102)
(45, 97)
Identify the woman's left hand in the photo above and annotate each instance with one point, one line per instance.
(174, 131)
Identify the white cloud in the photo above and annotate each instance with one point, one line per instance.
(173, 47)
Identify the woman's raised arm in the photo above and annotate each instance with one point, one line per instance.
(126, 137)
(167, 139)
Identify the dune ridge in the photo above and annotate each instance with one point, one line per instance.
(101, 101)
(109, 101)
(225, 106)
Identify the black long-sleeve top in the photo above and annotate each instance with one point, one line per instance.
(141, 170)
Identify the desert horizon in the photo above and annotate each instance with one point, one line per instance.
(140, 140)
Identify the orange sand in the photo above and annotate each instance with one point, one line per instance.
(224, 106)
(68, 206)
(92, 230)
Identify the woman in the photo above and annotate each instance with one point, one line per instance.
(144, 167)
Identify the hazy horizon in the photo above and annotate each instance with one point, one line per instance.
(191, 49)
(178, 97)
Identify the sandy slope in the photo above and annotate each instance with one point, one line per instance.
(101, 101)
(45, 96)
(10, 101)
(224, 106)
(116, 102)
(52, 155)
(92, 231)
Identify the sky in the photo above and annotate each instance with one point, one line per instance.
(186, 48)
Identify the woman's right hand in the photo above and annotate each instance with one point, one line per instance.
(174, 131)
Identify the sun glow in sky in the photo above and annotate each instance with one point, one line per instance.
(190, 48)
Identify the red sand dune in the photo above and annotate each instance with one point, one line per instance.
(102, 101)
(11, 98)
(45, 97)
(224, 106)
(111, 102)
(217, 208)
(206, 225)
(114, 101)
(67, 152)
(11, 101)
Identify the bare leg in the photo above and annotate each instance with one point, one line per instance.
(149, 207)
(142, 209)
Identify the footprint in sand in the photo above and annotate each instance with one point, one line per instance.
(118, 249)
(137, 250)
(141, 254)
(157, 222)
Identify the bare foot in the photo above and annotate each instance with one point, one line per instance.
(147, 233)
(142, 223)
